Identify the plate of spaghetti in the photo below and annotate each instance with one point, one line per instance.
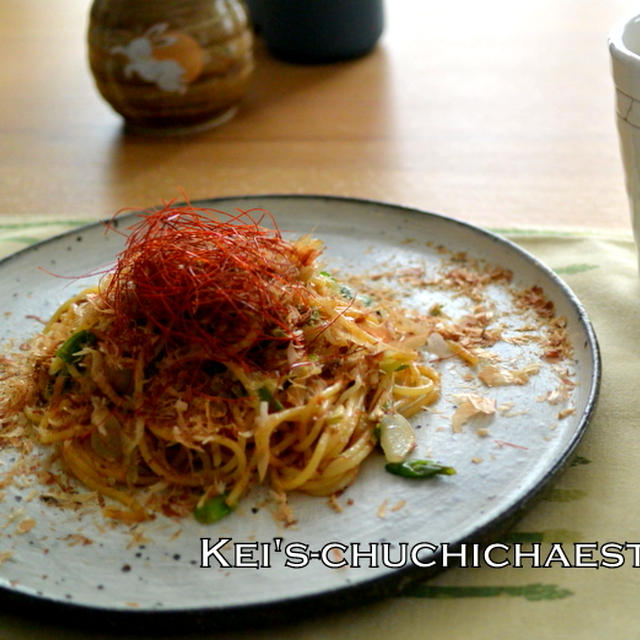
(242, 410)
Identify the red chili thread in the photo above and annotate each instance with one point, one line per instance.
(501, 443)
(207, 278)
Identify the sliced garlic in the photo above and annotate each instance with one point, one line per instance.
(437, 345)
(397, 437)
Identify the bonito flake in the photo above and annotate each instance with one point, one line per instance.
(471, 405)
(494, 376)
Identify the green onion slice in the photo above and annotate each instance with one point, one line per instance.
(418, 469)
(212, 510)
(68, 351)
(266, 396)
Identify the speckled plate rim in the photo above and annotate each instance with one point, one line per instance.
(296, 608)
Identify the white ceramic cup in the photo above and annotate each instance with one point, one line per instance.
(624, 46)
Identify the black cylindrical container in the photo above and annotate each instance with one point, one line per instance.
(316, 31)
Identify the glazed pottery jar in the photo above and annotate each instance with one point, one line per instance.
(171, 64)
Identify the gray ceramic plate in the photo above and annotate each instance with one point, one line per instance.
(81, 569)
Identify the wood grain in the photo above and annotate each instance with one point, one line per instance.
(499, 113)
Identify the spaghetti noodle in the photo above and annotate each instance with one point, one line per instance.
(214, 355)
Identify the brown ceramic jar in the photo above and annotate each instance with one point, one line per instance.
(171, 64)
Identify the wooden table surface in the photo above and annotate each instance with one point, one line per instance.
(500, 113)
